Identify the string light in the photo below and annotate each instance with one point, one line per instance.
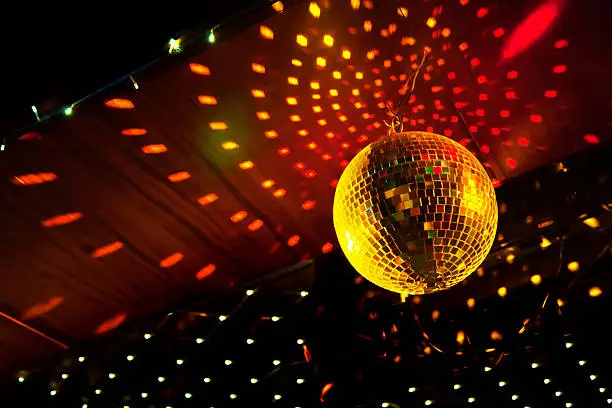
(174, 46)
(35, 110)
(211, 37)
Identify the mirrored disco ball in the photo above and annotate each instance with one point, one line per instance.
(415, 212)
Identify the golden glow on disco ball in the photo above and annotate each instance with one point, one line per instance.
(415, 212)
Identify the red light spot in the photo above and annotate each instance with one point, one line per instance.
(504, 113)
(111, 323)
(134, 132)
(482, 79)
(485, 149)
(498, 32)
(207, 199)
(42, 308)
(590, 138)
(309, 204)
(559, 69)
(62, 220)
(171, 260)
(452, 75)
(561, 44)
(531, 29)
(523, 141)
(511, 162)
(255, 225)
(206, 271)
(475, 62)
(512, 75)
(327, 247)
(535, 118)
(293, 241)
(483, 97)
(550, 93)
(495, 131)
(30, 136)
(510, 95)
(473, 129)
(333, 183)
(482, 12)
(107, 250)
(239, 216)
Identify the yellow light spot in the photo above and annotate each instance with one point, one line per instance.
(258, 93)
(266, 32)
(311, 145)
(545, 243)
(502, 292)
(446, 32)
(431, 22)
(218, 125)
(402, 11)
(281, 192)
(358, 75)
(230, 145)
(268, 183)
(295, 118)
(346, 54)
(560, 302)
(355, 92)
(316, 96)
(292, 81)
(337, 75)
(333, 92)
(322, 122)
(263, 115)
(536, 279)
(460, 337)
(408, 41)
(314, 9)
(278, 6)
(355, 4)
(302, 40)
(367, 26)
(317, 109)
(260, 69)
(271, 134)
(321, 62)
(342, 118)
(328, 40)
(371, 54)
(291, 100)
(245, 165)
(591, 222)
(595, 291)
(471, 303)
(573, 266)
(510, 258)
(315, 85)
(296, 62)
(302, 132)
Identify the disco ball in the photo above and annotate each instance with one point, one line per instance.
(415, 212)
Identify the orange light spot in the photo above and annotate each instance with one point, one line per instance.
(325, 390)
(42, 308)
(208, 199)
(154, 149)
(111, 324)
(246, 165)
(295, 118)
(255, 225)
(199, 69)
(206, 271)
(431, 22)
(107, 250)
(62, 219)
(595, 291)
(207, 100)
(367, 26)
(278, 6)
(402, 12)
(301, 40)
(119, 103)
(302, 132)
(134, 132)
(281, 192)
(263, 115)
(291, 100)
(260, 69)
(311, 145)
(171, 260)
(218, 125)
(36, 178)
(322, 122)
(266, 32)
(268, 183)
(258, 93)
(230, 145)
(293, 241)
(179, 176)
(239, 216)
(309, 204)
(271, 134)
(283, 151)
(495, 335)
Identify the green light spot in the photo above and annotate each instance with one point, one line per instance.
(429, 170)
